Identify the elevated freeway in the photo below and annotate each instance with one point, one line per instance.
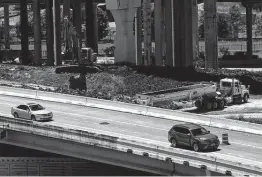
(244, 147)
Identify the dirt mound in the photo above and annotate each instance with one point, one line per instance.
(117, 82)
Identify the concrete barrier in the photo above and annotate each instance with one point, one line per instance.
(137, 146)
(135, 109)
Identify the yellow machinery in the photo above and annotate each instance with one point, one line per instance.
(72, 48)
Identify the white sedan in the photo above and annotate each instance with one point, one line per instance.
(32, 111)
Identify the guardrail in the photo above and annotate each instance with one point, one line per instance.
(123, 144)
(135, 109)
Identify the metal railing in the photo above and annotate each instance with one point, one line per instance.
(123, 144)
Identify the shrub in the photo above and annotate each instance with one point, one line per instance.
(110, 51)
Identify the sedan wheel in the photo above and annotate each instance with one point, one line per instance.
(33, 118)
(16, 115)
(174, 143)
(196, 147)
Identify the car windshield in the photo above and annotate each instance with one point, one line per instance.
(199, 131)
(36, 107)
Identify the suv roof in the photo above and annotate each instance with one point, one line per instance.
(189, 126)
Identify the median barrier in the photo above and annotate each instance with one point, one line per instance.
(122, 144)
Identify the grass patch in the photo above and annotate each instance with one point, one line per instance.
(245, 119)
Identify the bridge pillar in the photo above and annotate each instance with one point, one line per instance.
(7, 30)
(211, 34)
(66, 8)
(78, 20)
(169, 32)
(124, 12)
(37, 32)
(91, 23)
(138, 38)
(249, 26)
(24, 32)
(159, 31)
(195, 30)
(57, 32)
(183, 24)
(50, 36)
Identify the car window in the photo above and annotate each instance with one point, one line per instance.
(199, 131)
(182, 130)
(23, 107)
(36, 107)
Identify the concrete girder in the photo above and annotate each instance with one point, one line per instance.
(37, 32)
(124, 12)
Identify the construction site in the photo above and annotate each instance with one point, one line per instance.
(161, 73)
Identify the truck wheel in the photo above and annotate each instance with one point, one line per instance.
(209, 106)
(245, 99)
(215, 105)
(221, 104)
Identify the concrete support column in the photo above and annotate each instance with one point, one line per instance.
(78, 20)
(249, 24)
(7, 29)
(66, 8)
(57, 32)
(50, 36)
(183, 33)
(159, 31)
(24, 32)
(169, 32)
(147, 31)
(195, 29)
(91, 39)
(138, 36)
(37, 32)
(211, 34)
(124, 12)
(96, 30)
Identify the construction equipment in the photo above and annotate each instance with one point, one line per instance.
(72, 49)
(209, 96)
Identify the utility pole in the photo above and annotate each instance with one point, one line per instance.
(147, 31)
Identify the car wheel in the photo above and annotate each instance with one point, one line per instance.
(196, 147)
(16, 115)
(33, 118)
(245, 98)
(215, 148)
(174, 142)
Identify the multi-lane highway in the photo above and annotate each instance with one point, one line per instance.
(243, 145)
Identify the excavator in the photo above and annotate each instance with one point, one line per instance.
(72, 48)
(81, 60)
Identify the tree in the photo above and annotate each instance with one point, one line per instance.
(235, 20)
(102, 23)
(223, 27)
(201, 27)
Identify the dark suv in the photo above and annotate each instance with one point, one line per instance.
(194, 136)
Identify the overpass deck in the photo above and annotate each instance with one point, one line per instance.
(243, 145)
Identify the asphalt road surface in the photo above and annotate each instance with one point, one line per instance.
(243, 145)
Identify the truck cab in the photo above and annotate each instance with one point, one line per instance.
(234, 88)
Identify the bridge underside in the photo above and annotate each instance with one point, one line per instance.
(98, 154)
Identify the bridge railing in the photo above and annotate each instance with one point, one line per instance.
(125, 144)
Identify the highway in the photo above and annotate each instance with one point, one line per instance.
(243, 145)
